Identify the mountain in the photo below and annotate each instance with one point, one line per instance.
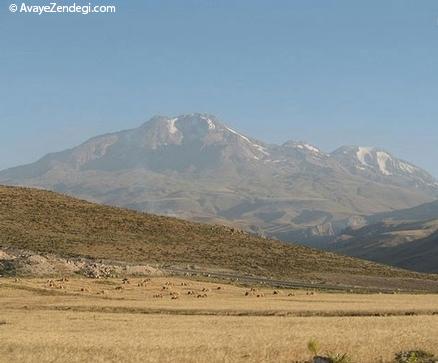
(378, 164)
(411, 245)
(47, 222)
(195, 167)
(405, 238)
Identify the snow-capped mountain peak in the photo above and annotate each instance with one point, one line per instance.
(371, 161)
(195, 165)
(202, 131)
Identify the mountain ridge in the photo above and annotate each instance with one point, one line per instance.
(196, 167)
(406, 238)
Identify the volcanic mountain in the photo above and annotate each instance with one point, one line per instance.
(195, 167)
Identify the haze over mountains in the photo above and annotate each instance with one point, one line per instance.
(406, 238)
(193, 166)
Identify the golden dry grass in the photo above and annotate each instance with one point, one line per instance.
(49, 324)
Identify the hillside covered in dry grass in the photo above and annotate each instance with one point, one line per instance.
(48, 222)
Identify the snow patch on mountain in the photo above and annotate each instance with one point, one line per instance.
(260, 148)
(362, 153)
(309, 148)
(171, 126)
(236, 133)
(211, 125)
(408, 168)
(382, 159)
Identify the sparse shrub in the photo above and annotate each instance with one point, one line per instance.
(339, 358)
(414, 356)
(313, 346)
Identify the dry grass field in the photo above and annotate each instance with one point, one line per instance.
(182, 320)
(192, 318)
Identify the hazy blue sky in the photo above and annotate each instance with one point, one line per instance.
(328, 72)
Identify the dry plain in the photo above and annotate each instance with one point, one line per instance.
(169, 319)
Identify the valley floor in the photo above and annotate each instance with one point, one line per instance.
(168, 319)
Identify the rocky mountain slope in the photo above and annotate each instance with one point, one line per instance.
(411, 245)
(423, 212)
(195, 167)
(405, 238)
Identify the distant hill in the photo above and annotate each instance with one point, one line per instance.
(197, 168)
(423, 212)
(405, 238)
(49, 222)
